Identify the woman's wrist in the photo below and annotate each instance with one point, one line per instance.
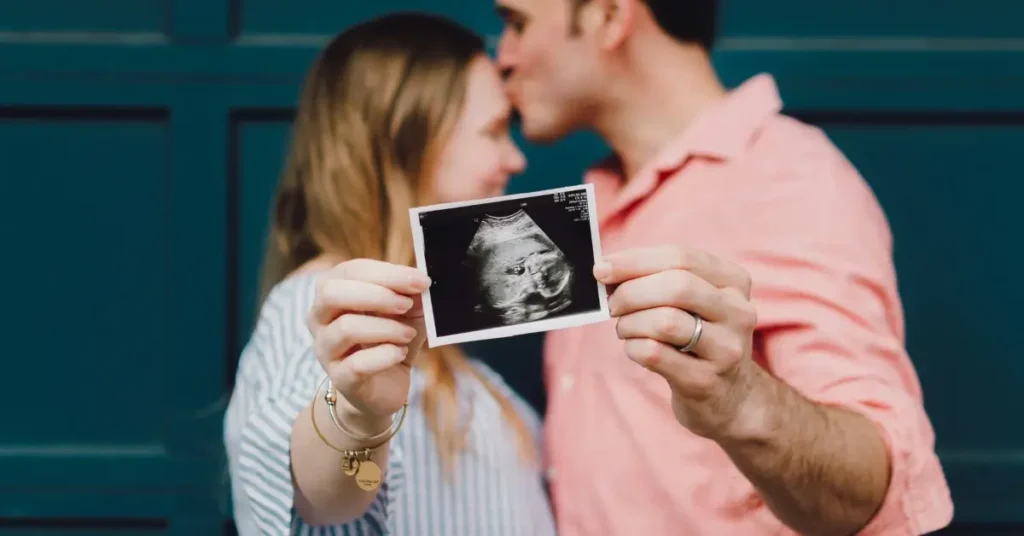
(355, 421)
(360, 422)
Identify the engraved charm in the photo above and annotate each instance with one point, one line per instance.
(351, 465)
(368, 475)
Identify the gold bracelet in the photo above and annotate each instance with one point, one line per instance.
(331, 397)
(357, 462)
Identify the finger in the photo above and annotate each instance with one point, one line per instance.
(336, 296)
(402, 279)
(696, 378)
(365, 363)
(638, 262)
(676, 329)
(674, 288)
(665, 324)
(351, 330)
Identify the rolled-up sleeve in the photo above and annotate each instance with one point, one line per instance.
(258, 428)
(830, 324)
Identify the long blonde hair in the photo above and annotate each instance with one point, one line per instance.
(376, 105)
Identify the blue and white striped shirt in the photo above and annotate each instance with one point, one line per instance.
(492, 491)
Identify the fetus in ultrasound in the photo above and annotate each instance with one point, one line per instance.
(521, 275)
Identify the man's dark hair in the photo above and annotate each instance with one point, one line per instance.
(689, 21)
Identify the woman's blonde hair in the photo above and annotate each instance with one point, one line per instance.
(377, 105)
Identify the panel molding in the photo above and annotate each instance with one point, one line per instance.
(882, 79)
(84, 523)
(883, 118)
(237, 119)
(83, 38)
(146, 114)
(826, 44)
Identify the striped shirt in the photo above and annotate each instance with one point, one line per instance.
(492, 491)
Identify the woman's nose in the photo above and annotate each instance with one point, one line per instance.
(515, 161)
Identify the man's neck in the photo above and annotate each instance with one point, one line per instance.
(655, 102)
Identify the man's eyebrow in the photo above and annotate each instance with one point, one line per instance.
(506, 12)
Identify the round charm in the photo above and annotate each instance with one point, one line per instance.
(368, 476)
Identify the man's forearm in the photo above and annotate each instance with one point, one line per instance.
(822, 470)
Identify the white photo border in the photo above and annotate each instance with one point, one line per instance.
(535, 326)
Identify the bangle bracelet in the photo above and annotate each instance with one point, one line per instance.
(357, 463)
(331, 397)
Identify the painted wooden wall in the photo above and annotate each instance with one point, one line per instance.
(140, 141)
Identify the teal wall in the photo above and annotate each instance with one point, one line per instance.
(140, 141)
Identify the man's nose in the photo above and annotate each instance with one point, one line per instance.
(505, 54)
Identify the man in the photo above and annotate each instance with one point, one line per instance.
(752, 271)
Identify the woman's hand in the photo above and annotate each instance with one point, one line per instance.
(367, 326)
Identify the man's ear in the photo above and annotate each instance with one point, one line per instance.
(610, 21)
(619, 17)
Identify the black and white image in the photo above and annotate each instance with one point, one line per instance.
(509, 265)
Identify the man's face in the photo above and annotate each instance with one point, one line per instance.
(552, 73)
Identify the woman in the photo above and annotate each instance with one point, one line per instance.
(401, 111)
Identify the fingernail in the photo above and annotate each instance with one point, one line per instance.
(410, 333)
(403, 350)
(403, 304)
(602, 270)
(420, 280)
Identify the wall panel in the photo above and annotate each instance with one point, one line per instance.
(85, 216)
(117, 239)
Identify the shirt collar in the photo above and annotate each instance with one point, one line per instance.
(721, 132)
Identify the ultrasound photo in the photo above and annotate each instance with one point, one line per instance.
(509, 265)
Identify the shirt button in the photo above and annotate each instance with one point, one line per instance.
(551, 473)
(566, 382)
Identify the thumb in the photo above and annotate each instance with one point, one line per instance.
(418, 343)
(416, 311)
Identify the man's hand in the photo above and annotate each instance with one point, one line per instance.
(821, 469)
(657, 295)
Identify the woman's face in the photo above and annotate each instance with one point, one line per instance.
(480, 156)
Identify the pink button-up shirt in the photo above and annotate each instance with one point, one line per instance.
(774, 195)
